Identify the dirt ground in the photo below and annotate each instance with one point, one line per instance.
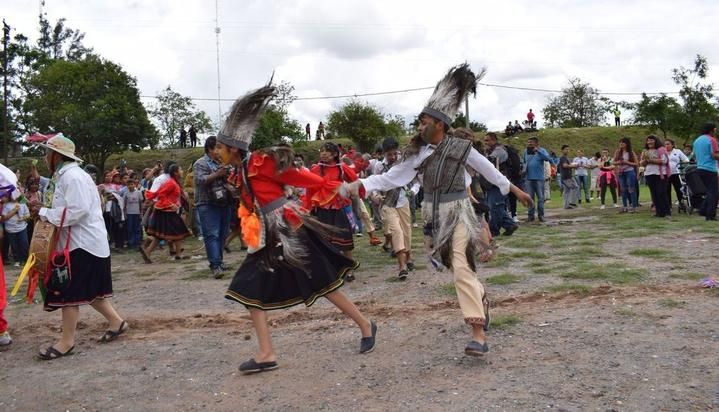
(649, 345)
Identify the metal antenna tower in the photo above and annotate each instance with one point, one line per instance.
(217, 47)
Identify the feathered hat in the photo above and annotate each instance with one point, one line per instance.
(451, 91)
(244, 116)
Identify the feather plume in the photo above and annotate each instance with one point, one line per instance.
(450, 92)
(244, 116)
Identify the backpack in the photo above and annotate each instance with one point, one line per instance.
(512, 168)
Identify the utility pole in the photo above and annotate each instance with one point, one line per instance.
(217, 47)
(466, 111)
(6, 135)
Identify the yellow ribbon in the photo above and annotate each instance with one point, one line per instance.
(25, 270)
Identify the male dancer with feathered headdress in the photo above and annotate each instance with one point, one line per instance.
(449, 219)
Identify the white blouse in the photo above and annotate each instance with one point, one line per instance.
(76, 191)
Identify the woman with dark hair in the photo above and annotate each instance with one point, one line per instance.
(676, 157)
(655, 161)
(289, 259)
(625, 162)
(166, 222)
(332, 213)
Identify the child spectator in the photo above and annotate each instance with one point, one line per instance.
(133, 199)
(15, 215)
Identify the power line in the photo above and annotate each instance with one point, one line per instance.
(500, 86)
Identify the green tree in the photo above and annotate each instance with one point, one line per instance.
(364, 124)
(579, 105)
(461, 121)
(275, 124)
(696, 95)
(55, 42)
(173, 112)
(94, 102)
(662, 112)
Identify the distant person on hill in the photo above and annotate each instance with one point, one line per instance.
(321, 131)
(530, 119)
(617, 116)
(308, 133)
(509, 130)
(193, 136)
(517, 127)
(183, 138)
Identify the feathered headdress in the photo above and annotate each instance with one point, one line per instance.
(451, 91)
(244, 116)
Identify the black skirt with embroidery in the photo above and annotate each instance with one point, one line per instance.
(337, 218)
(90, 279)
(284, 285)
(167, 225)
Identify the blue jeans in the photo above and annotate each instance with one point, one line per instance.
(197, 227)
(583, 183)
(498, 216)
(19, 245)
(134, 233)
(709, 206)
(535, 189)
(628, 186)
(215, 223)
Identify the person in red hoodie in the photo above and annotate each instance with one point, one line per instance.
(334, 212)
(289, 260)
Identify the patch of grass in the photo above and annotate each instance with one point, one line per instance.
(627, 313)
(569, 287)
(528, 254)
(393, 279)
(543, 270)
(670, 303)
(614, 273)
(504, 321)
(145, 273)
(447, 289)
(653, 253)
(522, 243)
(688, 275)
(501, 260)
(503, 279)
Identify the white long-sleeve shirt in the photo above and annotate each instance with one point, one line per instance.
(400, 175)
(76, 191)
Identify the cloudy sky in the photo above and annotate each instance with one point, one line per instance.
(330, 48)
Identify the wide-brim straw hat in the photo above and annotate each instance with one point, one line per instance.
(61, 144)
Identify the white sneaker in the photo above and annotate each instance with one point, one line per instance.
(414, 225)
(200, 238)
(601, 207)
(515, 219)
(616, 205)
(5, 339)
(16, 264)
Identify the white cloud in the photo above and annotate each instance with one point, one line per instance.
(329, 48)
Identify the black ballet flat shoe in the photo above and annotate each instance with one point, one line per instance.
(251, 366)
(367, 344)
(477, 349)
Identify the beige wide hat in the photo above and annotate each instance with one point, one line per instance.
(62, 145)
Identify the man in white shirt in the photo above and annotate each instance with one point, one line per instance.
(72, 203)
(442, 162)
(581, 174)
(395, 211)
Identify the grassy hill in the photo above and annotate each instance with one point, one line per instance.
(590, 139)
